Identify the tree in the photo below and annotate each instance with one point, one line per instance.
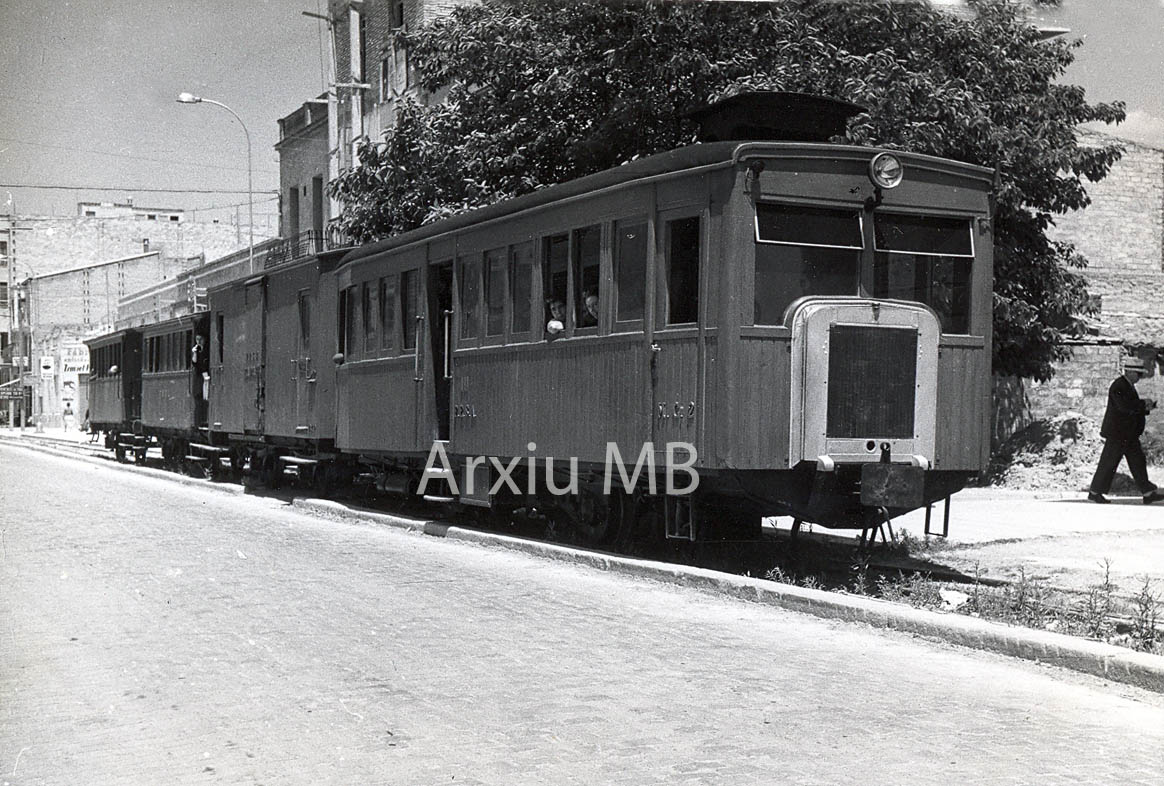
(537, 92)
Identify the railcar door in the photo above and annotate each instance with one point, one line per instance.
(675, 362)
(440, 309)
(304, 371)
(255, 321)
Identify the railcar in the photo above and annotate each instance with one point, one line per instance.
(272, 376)
(115, 385)
(807, 324)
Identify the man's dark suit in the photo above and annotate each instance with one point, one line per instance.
(1123, 423)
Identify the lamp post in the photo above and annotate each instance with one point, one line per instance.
(190, 98)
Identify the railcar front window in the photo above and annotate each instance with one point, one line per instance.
(928, 259)
(803, 251)
(683, 270)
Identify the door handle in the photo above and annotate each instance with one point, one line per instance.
(448, 331)
(416, 377)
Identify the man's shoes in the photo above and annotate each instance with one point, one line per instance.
(1102, 500)
(1153, 496)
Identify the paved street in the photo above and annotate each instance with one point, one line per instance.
(153, 633)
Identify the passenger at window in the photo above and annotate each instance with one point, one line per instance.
(589, 316)
(557, 321)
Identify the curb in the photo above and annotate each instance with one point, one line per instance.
(1107, 661)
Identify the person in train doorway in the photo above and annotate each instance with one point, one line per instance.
(1123, 423)
(199, 375)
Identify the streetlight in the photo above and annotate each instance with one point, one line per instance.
(190, 98)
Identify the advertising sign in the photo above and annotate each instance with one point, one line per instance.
(48, 367)
(74, 359)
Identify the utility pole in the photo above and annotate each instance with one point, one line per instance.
(15, 331)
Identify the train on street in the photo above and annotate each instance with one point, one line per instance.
(762, 323)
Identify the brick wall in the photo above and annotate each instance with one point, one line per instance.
(1123, 227)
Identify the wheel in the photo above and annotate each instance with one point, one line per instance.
(596, 519)
(272, 472)
(323, 478)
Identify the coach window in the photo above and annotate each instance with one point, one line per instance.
(221, 335)
(369, 309)
(630, 270)
(409, 300)
(188, 349)
(555, 277)
(803, 251)
(587, 249)
(495, 292)
(928, 259)
(351, 312)
(520, 288)
(470, 296)
(682, 277)
(387, 311)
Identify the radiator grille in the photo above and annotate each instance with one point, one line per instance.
(872, 380)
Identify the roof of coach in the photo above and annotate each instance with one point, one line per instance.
(673, 162)
(109, 338)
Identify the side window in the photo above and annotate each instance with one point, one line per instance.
(188, 349)
(495, 292)
(342, 323)
(351, 326)
(387, 311)
(555, 256)
(587, 250)
(520, 286)
(409, 300)
(221, 323)
(630, 270)
(682, 238)
(369, 309)
(470, 296)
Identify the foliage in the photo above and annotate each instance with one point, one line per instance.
(537, 92)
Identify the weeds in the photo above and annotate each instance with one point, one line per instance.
(1098, 614)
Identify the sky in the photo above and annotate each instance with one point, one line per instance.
(88, 88)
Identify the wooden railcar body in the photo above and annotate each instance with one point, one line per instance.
(114, 380)
(168, 380)
(685, 348)
(272, 342)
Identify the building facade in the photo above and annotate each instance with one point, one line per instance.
(56, 312)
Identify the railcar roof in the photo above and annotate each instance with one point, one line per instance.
(673, 161)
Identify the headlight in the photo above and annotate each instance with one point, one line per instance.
(886, 171)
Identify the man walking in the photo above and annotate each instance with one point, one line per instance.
(1123, 423)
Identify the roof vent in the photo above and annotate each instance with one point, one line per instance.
(790, 117)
